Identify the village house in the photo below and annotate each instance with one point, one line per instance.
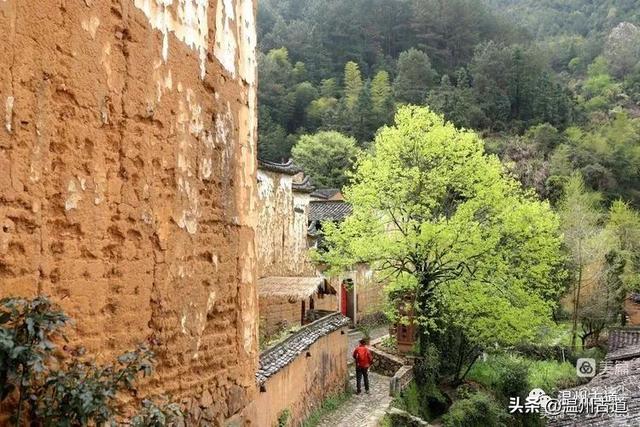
(360, 293)
(291, 291)
(297, 372)
(632, 309)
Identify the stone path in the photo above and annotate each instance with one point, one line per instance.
(364, 410)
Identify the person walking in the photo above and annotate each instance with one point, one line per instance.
(364, 359)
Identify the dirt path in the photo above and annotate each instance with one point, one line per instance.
(364, 410)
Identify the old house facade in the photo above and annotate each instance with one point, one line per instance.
(361, 294)
(289, 286)
(128, 184)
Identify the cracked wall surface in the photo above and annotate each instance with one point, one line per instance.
(281, 243)
(128, 183)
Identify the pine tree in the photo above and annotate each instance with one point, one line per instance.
(381, 98)
(352, 84)
(415, 76)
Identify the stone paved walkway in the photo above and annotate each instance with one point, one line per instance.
(364, 410)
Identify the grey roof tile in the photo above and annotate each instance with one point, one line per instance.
(329, 210)
(275, 358)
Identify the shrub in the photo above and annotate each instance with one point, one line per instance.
(152, 415)
(63, 392)
(479, 410)
(284, 417)
(513, 377)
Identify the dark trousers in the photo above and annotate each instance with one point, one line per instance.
(360, 374)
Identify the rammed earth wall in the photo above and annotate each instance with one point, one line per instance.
(301, 372)
(128, 183)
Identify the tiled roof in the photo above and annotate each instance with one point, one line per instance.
(325, 193)
(329, 210)
(626, 353)
(603, 384)
(275, 358)
(624, 347)
(299, 288)
(621, 338)
(303, 187)
(286, 168)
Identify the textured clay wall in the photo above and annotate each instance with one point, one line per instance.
(632, 311)
(128, 182)
(326, 302)
(283, 214)
(370, 297)
(369, 293)
(304, 384)
(277, 314)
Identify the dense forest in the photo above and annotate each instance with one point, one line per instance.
(552, 85)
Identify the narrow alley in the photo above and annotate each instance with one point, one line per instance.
(364, 410)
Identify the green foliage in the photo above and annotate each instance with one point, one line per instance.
(552, 376)
(508, 374)
(382, 99)
(284, 417)
(84, 393)
(152, 415)
(622, 48)
(512, 379)
(62, 393)
(415, 76)
(461, 237)
(352, 85)
(478, 410)
(326, 157)
(26, 330)
(329, 405)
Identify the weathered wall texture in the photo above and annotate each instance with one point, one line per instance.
(632, 311)
(282, 246)
(128, 181)
(326, 302)
(302, 385)
(369, 292)
(278, 314)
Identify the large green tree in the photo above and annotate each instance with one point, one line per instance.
(326, 157)
(415, 76)
(453, 232)
(581, 214)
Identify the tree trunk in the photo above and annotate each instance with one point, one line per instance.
(576, 308)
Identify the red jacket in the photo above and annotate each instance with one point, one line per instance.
(363, 357)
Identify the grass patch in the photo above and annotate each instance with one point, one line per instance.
(330, 404)
(385, 421)
(550, 376)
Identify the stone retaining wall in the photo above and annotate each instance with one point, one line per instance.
(401, 380)
(384, 363)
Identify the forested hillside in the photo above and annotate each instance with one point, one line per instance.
(552, 85)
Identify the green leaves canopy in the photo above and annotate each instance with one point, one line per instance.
(326, 157)
(445, 222)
